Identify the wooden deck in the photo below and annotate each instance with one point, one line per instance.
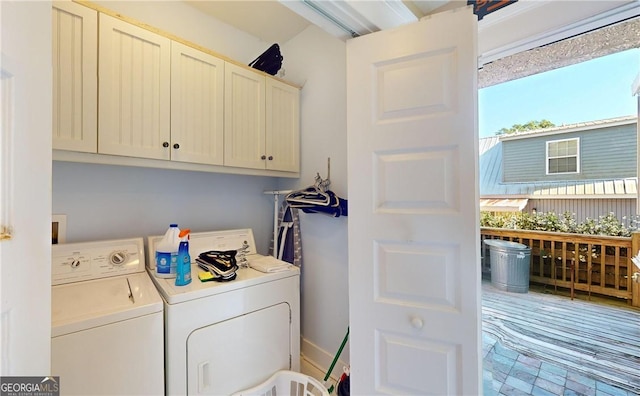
(596, 339)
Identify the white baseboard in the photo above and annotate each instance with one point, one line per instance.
(321, 359)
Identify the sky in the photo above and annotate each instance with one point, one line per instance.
(588, 91)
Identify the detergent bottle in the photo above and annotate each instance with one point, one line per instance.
(167, 253)
(183, 270)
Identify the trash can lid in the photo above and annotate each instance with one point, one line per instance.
(499, 243)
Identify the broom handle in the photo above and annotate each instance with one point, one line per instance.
(335, 359)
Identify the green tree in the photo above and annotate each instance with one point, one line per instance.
(529, 126)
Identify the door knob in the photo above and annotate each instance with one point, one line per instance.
(165, 144)
(263, 157)
(176, 146)
(417, 322)
(271, 158)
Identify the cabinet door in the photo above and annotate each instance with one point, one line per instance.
(197, 102)
(75, 83)
(244, 119)
(282, 126)
(134, 88)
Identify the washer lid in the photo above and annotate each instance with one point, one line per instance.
(84, 305)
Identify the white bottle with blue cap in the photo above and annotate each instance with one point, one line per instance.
(167, 253)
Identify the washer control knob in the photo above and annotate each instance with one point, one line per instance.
(118, 258)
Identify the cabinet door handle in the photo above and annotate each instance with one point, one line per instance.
(263, 157)
(176, 146)
(271, 158)
(165, 144)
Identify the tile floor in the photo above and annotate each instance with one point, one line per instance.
(507, 372)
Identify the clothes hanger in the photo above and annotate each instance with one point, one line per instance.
(316, 194)
(309, 196)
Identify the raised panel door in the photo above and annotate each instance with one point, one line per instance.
(134, 89)
(244, 118)
(197, 106)
(75, 80)
(414, 270)
(283, 126)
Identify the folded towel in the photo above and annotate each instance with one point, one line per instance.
(268, 264)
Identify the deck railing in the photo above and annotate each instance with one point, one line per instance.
(590, 263)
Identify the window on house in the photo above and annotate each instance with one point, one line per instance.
(563, 156)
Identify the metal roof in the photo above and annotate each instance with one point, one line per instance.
(580, 126)
(503, 204)
(491, 176)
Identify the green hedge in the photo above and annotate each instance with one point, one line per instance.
(604, 225)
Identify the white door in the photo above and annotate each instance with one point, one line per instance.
(244, 118)
(25, 188)
(283, 126)
(75, 77)
(239, 353)
(197, 106)
(414, 268)
(133, 90)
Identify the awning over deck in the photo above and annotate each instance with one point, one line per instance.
(503, 205)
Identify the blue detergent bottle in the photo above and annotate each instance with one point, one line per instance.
(183, 270)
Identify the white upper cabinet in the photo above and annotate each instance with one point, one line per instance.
(137, 97)
(244, 118)
(134, 89)
(75, 83)
(197, 103)
(282, 126)
(262, 125)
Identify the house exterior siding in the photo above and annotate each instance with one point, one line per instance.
(623, 208)
(604, 153)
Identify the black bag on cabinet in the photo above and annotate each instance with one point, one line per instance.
(269, 61)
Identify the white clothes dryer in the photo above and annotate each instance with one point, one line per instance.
(223, 337)
(107, 320)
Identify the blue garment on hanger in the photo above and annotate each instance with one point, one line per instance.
(286, 237)
(289, 241)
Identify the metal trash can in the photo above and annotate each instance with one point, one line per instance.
(510, 263)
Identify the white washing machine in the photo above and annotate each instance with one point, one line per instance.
(223, 337)
(107, 320)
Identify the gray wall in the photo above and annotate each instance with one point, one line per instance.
(320, 62)
(104, 201)
(604, 153)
